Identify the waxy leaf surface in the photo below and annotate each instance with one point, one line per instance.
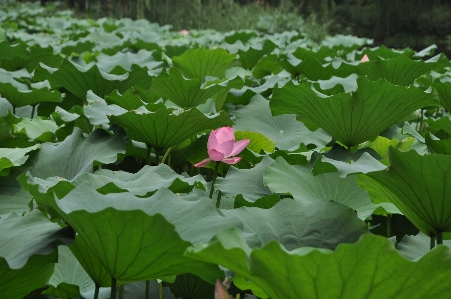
(355, 117)
(162, 129)
(369, 268)
(422, 185)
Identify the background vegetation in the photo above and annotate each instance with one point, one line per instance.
(394, 23)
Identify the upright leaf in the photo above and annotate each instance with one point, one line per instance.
(422, 185)
(162, 129)
(201, 62)
(355, 117)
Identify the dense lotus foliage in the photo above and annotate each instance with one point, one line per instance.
(343, 191)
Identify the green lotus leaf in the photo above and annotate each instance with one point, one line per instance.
(127, 100)
(97, 111)
(438, 146)
(284, 130)
(76, 154)
(385, 53)
(69, 279)
(161, 176)
(8, 51)
(337, 85)
(320, 273)
(242, 35)
(10, 157)
(78, 46)
(247, 182)
(163, 128)
(435, 125)
(295, 224)
(265, 202)
(13, 198)
(251, 56)
(382, 144)
(421, 185)
(86, 258)
(20, 98)
(182, 92)
(28, 251)
(444, 92)
(401, 70)
(366, 163)
(415, 247)
(35, 55)
(355, 117)
(345, 41)
(125, 60)
(37, 128)
(269, 65)
(149, 234)
(201, 62)
(137, 290)
(79, 80)
(315, 70)
(258, 141)
(191, 286)
(299, 181)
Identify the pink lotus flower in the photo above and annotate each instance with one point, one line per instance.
(184, 32)
(220, 291)
(365, 58)
(221, 146)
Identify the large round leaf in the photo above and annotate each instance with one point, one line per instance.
(299, 181)
(201, 62)
(148, 234)
(183, 92)
(79, 80)
(284, 130)
(76, 154)
(401, 70)
(370, 268)
(355, 117)
(422, 185)
(162, 129)
(320, 224)
(28, 251)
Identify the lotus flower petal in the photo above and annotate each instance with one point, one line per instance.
(226, 148)
(224, 134)
(365, 58)
(220, 291)
(232, 160)
(202, 163)
(239, 146)
(215, 155)
(221, 146)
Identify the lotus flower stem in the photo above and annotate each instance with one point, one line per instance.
(166, 154)
(218, 199)
(421, 121)
(157, 157)
(96, 291)
(147, 289)
(388, 225)
(215, 175)
(148, 155)
(113, 288)
(439, 238)
(121, 291)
